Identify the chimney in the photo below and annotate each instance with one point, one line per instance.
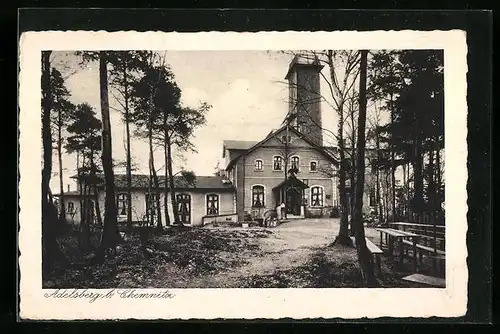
(305, 96)
(68, 187)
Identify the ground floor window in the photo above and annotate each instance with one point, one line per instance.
(184, 208)
(257, 196)
(212, 204)
(122, 204)
(71, 207)
(151, 203)
(317, 196)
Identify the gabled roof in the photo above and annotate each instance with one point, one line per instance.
(236, 147)
(239, 144)
(326, 152)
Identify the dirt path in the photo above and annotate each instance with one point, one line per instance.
(289, 246)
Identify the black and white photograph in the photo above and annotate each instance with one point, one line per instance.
(228, 169)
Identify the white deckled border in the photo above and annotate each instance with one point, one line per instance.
(247, 303)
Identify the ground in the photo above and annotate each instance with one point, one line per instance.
(296, 254)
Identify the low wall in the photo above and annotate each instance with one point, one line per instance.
(323, 212)
(226, 218)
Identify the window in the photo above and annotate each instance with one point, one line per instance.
(258, 196)
(294, 163)
(284, 139)
(212, 204)
(316, 196)
(258, 164)
(277, 163)
(151, 202)
(313, 167)
(122, 204)
(71, 207)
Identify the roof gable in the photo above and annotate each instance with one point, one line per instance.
(274, 138)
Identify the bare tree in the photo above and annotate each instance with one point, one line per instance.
(343, 72)
(364, 256)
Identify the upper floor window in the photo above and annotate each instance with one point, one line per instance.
(258, 196)
(258, 164)
(294, 163)
(212, 204)
(122, 204)
(313, 166)
(316, 196)
(277, 163)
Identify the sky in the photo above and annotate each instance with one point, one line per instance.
(246, 89)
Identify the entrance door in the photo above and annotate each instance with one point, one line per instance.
(293, 201)
(184, 208)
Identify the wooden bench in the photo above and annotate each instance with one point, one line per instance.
(425, 248)
(427, 280)
(435, 254)
(376, 252)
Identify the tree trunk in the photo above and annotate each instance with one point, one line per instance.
(353, 166)
(343, 236)
(418, 176)
(364, 255)
(165, 189)
(62, 212)
(377, 177)
(50, 248)
(95, 191)
(405, 184)
(159, 225)
(171, 184)
(110, 236)
(129, 157)
(97, 207)
(393, 169)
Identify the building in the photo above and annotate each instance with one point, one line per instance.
(289, 171)
(290, 166)
(208, 197)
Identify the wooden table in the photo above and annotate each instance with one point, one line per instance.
(391, 234)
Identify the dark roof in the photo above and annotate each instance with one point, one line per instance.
(201, 182)
(238, 144)
(305, 61)
(69, 193)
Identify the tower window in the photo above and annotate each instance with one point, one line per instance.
(286, 139)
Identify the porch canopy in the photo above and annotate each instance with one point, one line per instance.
(290, 183)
